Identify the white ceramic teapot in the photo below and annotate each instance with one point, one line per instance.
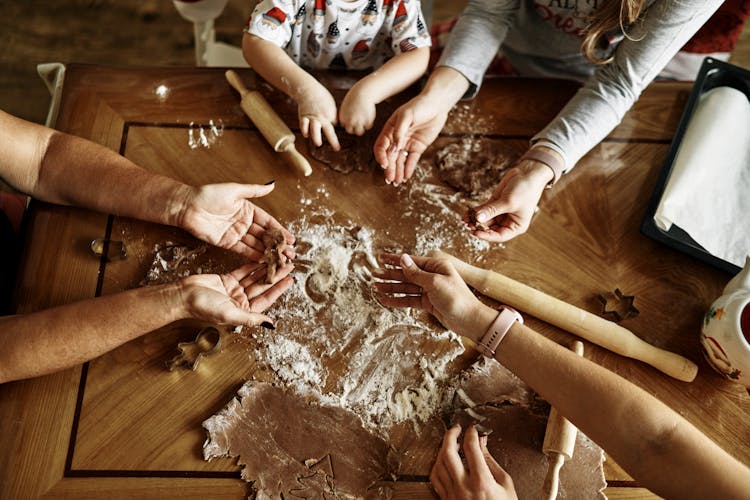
(725, 335)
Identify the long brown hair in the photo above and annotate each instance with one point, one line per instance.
(611, 15)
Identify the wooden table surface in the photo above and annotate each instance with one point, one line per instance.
(123, 426)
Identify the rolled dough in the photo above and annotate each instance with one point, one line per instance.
(293, 446)
(475, 165)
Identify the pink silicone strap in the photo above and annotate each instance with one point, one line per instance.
(497, 331)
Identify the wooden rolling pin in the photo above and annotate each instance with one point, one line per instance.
(573, 319)
(559, 443)
(269, 123)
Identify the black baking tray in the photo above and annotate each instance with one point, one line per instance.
(713, 73)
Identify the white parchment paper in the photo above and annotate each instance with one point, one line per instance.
(708, 192)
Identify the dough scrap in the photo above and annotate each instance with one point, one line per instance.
(481, 226)
(475, 165)
(273, 256)
(293, 445)
(172, 262)
(355, 154)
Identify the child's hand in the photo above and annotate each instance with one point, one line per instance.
(357, 113)
(317, 112)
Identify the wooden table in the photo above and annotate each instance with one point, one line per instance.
(122, 426)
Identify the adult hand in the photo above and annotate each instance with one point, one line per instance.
(222, 214)
(509, 210)
(435, 286)
(481, 477)
(357, 113)
(317, 116)
(236, 298)
(410, 129)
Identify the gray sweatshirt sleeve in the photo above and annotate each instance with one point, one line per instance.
(598, 107)
(476, 38)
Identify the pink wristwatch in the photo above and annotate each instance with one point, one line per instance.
(497, 331)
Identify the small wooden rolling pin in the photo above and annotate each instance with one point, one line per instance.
(269, 123)
(559, 443)
(573, 319)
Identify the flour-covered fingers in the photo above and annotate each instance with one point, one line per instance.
(389, 274)
(405, 301)
(397, 288)
(390, 259)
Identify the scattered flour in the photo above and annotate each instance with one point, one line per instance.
(381, 373)
(204, 136)
(368, 359)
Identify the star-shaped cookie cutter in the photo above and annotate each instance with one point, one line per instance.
(207, 342)
(626, 304)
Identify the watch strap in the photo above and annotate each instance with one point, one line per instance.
(497, 331)
(552, 161)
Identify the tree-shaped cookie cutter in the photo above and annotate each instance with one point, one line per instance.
(207, 342)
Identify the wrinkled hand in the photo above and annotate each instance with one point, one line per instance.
(411, 129)
(479, 478)
(357, 113)
(317, 116)
(222, 215)
(433, 285)
(509, 210)
(236, 298)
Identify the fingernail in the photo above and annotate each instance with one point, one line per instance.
(387, 181)
(268, 325)
(383, 167)
(483, 440)
(270, 182)
(482, 217)
(456, 426)
(406, 260)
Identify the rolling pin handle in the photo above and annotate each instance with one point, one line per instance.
(236, 83)
(552, 481)
(295, 158)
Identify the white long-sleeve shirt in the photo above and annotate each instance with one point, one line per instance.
(543, 38)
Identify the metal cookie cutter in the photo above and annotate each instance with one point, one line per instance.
(113, 249)
(207, 342)
(625, 304)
